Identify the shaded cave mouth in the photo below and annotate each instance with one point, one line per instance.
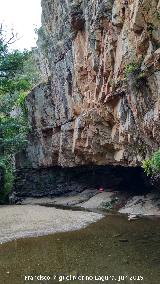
(56, 181)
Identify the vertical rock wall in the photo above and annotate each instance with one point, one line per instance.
(101, 102)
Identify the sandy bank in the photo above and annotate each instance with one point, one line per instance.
(141, 205)
(34, 220)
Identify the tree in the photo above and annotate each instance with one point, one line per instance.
(18, 75)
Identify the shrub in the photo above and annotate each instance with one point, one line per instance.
(18, 75)
(130, 68)
(6, 165)
(152, 165)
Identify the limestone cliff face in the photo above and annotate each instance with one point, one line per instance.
(101, 101)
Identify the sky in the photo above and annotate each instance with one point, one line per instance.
(23, 16)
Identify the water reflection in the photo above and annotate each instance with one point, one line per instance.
(112, 246)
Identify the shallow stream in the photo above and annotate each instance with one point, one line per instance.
(112, 249)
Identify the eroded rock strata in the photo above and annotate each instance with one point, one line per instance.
(99, 102)
(100, 99)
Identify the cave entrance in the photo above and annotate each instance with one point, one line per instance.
(57, 181)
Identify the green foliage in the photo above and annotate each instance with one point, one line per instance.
(130, 68)
(30, 72)
(152, 165)
(18, 75)
(6, 165)
(12, 134)
(111, 205)
(11, 69)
